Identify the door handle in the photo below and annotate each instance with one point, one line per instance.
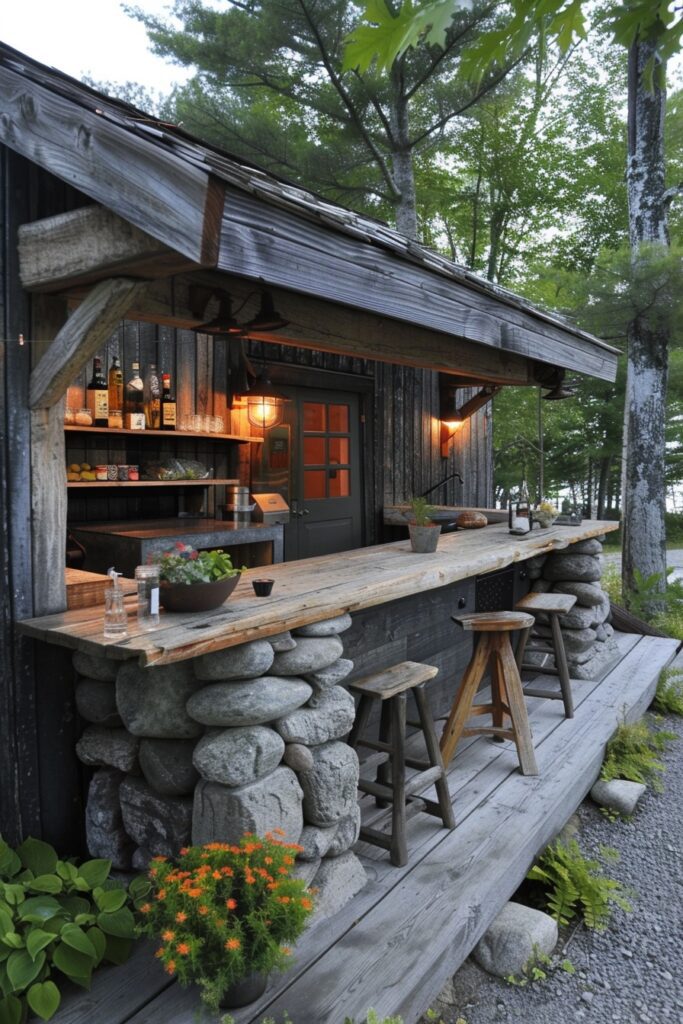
(306, 512)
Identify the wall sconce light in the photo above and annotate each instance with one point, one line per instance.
(265, 402)
(224, 322)
(267, 318)
(452, 418)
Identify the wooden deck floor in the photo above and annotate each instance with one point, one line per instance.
(395, 945)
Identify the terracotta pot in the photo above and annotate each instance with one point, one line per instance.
(246, 990)
(195, 597)
(424, 539)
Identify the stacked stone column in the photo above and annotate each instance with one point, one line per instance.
(586, 631)
(248, 739)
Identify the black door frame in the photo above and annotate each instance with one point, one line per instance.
(364, 387)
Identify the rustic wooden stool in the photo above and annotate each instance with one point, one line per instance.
(552, 605)
(390, 787)
(507, 697)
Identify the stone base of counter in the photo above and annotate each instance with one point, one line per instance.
(586, 629)
(243, 740)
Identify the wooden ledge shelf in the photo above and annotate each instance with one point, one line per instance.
(121, 431)
(148, 483)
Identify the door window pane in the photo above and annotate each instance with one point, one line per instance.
(339, 419)
(339, 450)
(314, 416)
(340, 483)
(314, 484)
(314, 451)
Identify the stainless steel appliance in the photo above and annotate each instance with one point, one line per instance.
(270, 508)
(238, 507)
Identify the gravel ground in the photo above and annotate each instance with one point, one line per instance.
(633, 972)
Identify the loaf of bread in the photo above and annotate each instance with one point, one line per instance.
(471, 520)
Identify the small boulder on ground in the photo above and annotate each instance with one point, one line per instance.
(618, 795)
(517, 935)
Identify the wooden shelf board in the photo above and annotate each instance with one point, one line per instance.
(74, 428)
(149, 483)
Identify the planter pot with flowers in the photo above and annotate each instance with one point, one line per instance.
(225, 915)
(545, 514)
(424, 533)
(194, 581)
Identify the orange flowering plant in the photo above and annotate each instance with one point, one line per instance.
(223, 911)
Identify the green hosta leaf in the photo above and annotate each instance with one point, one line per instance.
(36, 940)
(75, 905)
(22, 969)
(47, 883)
(44, 999)
(11, 1010)
(118, 950)
(110, 900)
(39, 909)
(67, 871)
(77, 939)
(84, 919)
(14, 894)
(94, 872)
(139, 887)
(13, 940)
(6, 921)
(5, 951)
(99, 941)
(121, 923)
(9, 862)
(38, 857)
(75, 965)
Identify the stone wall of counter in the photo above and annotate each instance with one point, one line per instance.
(586, 630)
(248, 739)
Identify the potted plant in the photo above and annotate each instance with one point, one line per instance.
(194, 581)
(424, 533)
(545, 514)
(225, 915)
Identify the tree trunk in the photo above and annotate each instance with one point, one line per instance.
(603, 502)
(402, 156)
(644, 497)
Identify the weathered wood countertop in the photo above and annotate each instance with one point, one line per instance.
(309, 591)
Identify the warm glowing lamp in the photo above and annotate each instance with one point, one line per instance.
(453, 418)
(265, 403)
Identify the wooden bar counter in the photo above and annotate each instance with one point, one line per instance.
(311, 591)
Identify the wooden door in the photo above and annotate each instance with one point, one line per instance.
(325, 496)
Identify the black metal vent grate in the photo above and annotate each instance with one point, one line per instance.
(496, 591)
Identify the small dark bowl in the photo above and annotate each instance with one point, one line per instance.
(262, 588)
(195, 597)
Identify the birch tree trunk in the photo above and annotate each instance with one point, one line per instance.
(644, 496)
(403, 171)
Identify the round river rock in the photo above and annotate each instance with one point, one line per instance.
(311, 654)
(238, 756)
(223, 814)
(248, 702)
(330, 719)
(94, 667)
(151, 701)
(96, 702)
(328, 627)
(167, 766)
(243, 662)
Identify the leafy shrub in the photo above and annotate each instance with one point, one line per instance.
(223, 912)
(669, 696)
(55, 916)
(633, 753)
(575, 885)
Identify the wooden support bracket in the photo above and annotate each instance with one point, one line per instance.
(82, 335)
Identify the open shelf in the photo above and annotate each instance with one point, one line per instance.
(242, 438)
(149, 483)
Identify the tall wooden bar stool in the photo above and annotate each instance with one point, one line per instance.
(552, 605)
(390, 786)
(507, 698)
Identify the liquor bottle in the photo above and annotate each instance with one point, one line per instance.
(152, 393)
(135, 401)
(97, 399)
(115, 393)
(168, 404)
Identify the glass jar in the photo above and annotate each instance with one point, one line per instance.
(115, 616)
(147, 579)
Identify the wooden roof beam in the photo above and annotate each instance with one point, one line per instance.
(90, 244)
(83, 334)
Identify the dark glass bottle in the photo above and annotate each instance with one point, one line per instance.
(135, 401)
(115, 382)
(152, 393)
(168, 404)
(97, 395)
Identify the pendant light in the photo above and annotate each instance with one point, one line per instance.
(265, 402)
(267, 318)
(224, 322)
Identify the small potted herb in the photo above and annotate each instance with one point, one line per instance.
(225, 916)
(424, 533)
(194, 581)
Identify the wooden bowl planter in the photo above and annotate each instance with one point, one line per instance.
(196, 597)
(424, 539)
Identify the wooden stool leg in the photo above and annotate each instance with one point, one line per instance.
(497, 692)
(460, 711)
(434, 755)
(515, 701)
(524, 635)
(384, 772)
(399, 850)
(562, 667)
(360, 721)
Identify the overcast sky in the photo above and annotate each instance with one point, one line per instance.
(89, 37)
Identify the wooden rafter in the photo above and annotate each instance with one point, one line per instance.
(80, 338)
